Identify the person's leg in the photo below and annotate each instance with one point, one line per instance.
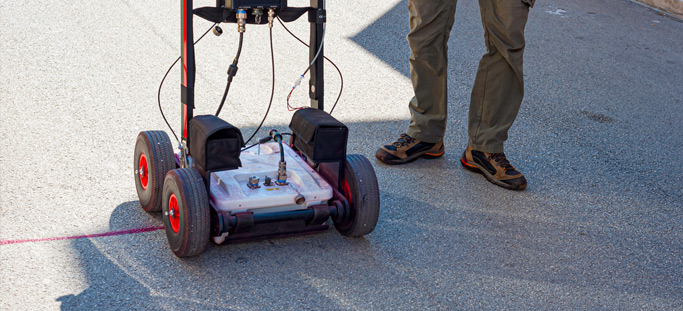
(497, 93)
(430, 25)
(499, 85)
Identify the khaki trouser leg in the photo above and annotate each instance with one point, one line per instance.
(499, 85)
(430, 26)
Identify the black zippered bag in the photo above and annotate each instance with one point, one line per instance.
(319, 136)
(215, 145)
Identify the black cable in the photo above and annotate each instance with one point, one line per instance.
(263, 141)
(272, 90)
(282, 150)
(162, 83)
(341, 77)
(247, 148)
(231, 73)
(239, 49)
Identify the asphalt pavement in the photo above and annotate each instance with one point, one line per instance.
(599, 138)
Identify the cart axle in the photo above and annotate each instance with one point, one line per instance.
(243, 222)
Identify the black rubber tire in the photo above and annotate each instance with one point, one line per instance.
(363, 196)
(158, 151)
(193, 205)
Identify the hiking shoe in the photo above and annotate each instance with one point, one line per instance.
(407, 149)
(495, 167)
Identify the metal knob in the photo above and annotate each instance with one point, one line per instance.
(253, 180)
(217, 31)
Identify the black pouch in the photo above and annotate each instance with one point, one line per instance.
(215, 144)
(319, 136)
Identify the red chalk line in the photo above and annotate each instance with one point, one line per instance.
(96, 235)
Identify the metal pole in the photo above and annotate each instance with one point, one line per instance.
(187, 70)
(316, 86)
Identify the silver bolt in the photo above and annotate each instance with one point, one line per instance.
(253, 180)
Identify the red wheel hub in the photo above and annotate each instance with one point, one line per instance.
(143, 172)
(174, 213)
(347, 190)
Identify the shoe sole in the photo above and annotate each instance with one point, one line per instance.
(478, 169)
(426, 155)
(430, 156)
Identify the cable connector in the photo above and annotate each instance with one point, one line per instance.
(275, 135)
(232, 71)
(241, 20)
(257, 12)
(297, 82)
(271, 17)
(281, 174)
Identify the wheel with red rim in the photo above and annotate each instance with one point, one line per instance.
(359, 187)
(186, 214)
(152, 160)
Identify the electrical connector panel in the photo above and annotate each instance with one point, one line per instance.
(251, 4)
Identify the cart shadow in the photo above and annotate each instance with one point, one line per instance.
(424, 251)
(138, 271)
